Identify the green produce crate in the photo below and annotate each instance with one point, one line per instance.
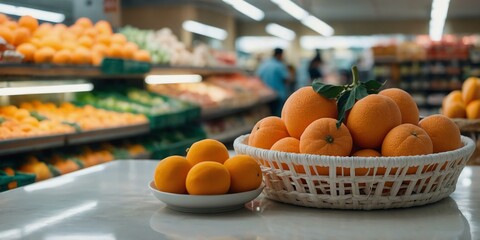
(4, 181)
(121, 66)
(21, 178)
(178, 148)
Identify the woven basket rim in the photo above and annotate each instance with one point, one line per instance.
(347, 161)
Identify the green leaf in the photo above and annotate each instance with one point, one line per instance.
(360, 92)
(326, 90)
(345, 103)
(38, 116)
(2, 119)
(74, 125)
(373, 85)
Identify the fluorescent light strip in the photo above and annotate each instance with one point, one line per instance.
(36, 13)
(247, 9)
(438, 15)
(280, 31)
(206, 30)
(291, 8)
(318, 25)
(12, 91)
(168, 79)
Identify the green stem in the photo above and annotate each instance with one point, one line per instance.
(356, 78)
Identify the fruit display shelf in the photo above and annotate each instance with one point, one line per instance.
(229, 136)
(222, 111)
(28, 144)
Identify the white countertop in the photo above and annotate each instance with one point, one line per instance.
(112, 201)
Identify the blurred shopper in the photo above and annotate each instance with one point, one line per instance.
(314, 66)
(274, 73)
(292, 80)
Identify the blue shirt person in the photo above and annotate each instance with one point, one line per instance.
(274, 74)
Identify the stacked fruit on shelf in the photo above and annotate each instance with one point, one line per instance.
(86, 117)
(165, 48)
(217, 92)
(18, 123)
(81, 43)
(464, 103)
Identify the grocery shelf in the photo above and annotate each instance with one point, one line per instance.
(229, 136)
(221, 112)
(17, 145)
(107, 134)
(165, 69)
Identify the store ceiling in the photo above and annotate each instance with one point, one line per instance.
(327, 10)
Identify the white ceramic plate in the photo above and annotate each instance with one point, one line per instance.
(205, 203)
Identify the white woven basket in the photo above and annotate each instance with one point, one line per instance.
(331, 182)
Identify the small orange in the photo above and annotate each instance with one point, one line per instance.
(208, 178)
(28, 51)
(455, 110)
(118, 38)
(407, 140)
(245, 173)
(115, 50)
(21, 35)
(28, 22)
(91, 32)
(103, 27)
(10, 172)
(6, 34)
(100, 48)
(12, 25)
(371, 118)
(365, 171)
(207, 150)
(103, 39)
(60, 27)
(473, 110)
(171, 174)
(444, 133)
(129, 50)
(406, 104)
(81, 56)
(471, 90)
(142, 56)
(84, 22)
(305, 106)
(97, 58)
(366, 153)
(3, 18)
(287, 144)
(53, 42)
(44, 55)
(85, 41)
(322, 137)
(454, 96)
(76, 30)
(267, 132)
(62, 57)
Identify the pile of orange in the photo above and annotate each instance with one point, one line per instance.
(464, 103)
(81, 43)
(384, 124)
(207, 170)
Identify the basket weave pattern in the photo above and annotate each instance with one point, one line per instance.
(333, 182)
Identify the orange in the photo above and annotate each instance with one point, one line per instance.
(62, 57)
(53, 42)
(85, 41)
(115, 50)
(305, 106)
(12, 25)
(6, 34)
(406, 104)
(81, 56)
(3, 18)
(44, 55)
(60, 27)
(245, 173)
(287, 144)
(454, 96)
(118, 38)
(322, 137)
(142, 56)
(371, 118)
(28, 51)
(103, 39)
(103, 27)
(91, 32)
(207, 150)
(100, 48)
(70, 45)
(10, 172)
(84, 22)
(407, 140)
(76, 30)
(444, 133)
(171, 173)
(473, 110)
(366, 153)
(129, 50)
(455, 110)
(267, 132)
(20, 35)
(471, 90)
(28, 22)
(97, 58)
(208, 178)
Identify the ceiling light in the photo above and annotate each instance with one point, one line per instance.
(169, 79)
(280, 31)
(437, 18)
(206, 30)
(291, 8)
(11, 91)
(318, 25)
(36, 13)
(247, 9)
